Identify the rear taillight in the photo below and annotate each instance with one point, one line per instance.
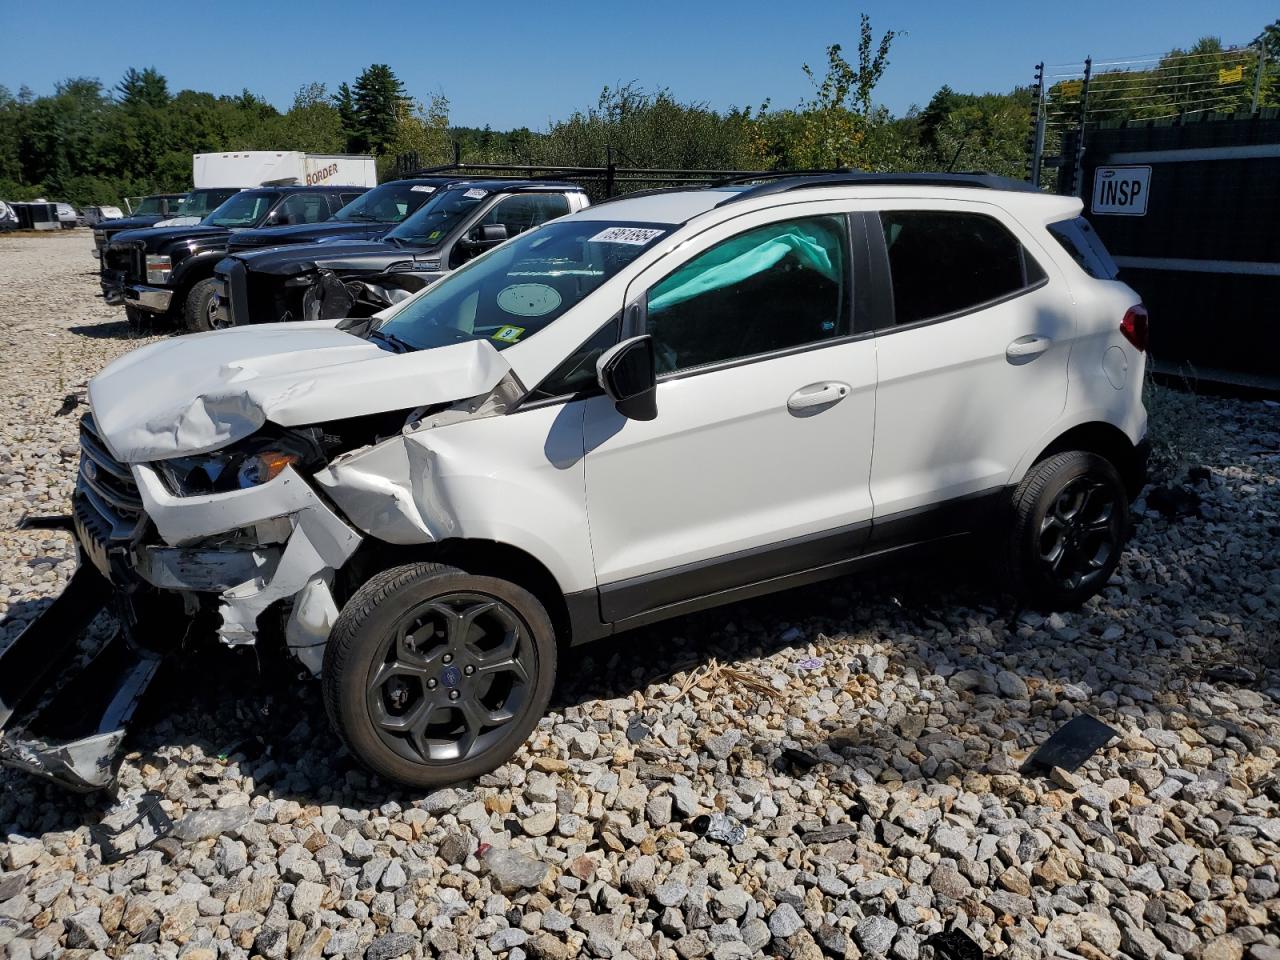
(1134, 326)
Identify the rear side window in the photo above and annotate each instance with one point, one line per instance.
(1086, 248)
(944, 262)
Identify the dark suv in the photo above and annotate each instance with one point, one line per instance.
(167, 271)
(338, 279)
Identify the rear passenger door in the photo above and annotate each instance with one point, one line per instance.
(972, 348)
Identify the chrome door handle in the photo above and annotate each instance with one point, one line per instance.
(817, 395)
(1028, 347)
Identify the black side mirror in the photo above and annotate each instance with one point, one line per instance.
(487, 235)
(628, 376)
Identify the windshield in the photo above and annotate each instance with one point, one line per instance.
(521, 287)
(389, 203)
(432, 222)
(244, 209)
(201, 203)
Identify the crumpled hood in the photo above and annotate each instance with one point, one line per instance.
(198, 393)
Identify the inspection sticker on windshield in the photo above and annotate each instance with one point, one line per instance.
(475, 193)
(421, 189)
(528, 299)
(508, 334)
(637, 236)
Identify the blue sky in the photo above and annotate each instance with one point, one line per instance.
(525, 64)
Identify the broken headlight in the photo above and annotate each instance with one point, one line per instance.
(248, 464)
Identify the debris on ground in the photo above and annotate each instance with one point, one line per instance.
(1071, 746)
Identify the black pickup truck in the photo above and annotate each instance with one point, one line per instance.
(157, 207)
(338, 278)
(167, 271)
(367, 217)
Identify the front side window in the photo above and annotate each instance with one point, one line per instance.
(201, 203)
(523, 211)
(771, 288)
(514, 291)
(302, 208)
(944, 262)
(150, 206)
(245, 209)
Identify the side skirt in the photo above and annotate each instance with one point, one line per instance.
(793, 563)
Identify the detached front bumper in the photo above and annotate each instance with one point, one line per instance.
(63, 715)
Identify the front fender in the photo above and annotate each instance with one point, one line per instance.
(199, 266)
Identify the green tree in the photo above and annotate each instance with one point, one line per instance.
(378, 98)
(421, 133)
(834, 127)
(142, 87)
(312, 124)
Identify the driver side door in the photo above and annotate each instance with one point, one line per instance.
(757, 465)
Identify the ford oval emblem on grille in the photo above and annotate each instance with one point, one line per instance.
(90, 470)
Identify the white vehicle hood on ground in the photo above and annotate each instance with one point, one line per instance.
(195, 394)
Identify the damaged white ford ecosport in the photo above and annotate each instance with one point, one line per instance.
(657, 404)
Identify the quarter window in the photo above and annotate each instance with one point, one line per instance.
(768, 289)
(943, 262)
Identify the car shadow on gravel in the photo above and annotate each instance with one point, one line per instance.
(120, 330)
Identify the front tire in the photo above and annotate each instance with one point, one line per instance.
(198, 312)
(433, 675)
(1070, 522)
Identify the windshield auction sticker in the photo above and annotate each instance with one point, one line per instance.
(419, 188)
(636, 236)
(508, 334)
(528, 299)
(475, 193)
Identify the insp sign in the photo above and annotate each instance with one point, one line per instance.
(1121, 190)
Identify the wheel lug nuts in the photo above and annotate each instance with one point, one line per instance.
(453, 694)
(469, 670)
(431, 684)
(448, 658)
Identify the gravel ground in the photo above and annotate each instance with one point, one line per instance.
(830, 772)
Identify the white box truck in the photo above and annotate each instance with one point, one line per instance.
(255, 168)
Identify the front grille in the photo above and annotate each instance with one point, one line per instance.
(106, 497)
(124, 259)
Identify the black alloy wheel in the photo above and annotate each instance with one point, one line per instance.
(434, 675)
(454, 671)
(1070, 522)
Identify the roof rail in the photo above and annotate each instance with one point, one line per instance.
(785, 183)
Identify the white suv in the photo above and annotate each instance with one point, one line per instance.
(655, 405)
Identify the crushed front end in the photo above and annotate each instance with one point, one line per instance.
(159, 545)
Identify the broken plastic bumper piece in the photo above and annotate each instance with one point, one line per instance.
(62, 718)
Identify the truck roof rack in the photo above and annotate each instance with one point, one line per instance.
(784, 182)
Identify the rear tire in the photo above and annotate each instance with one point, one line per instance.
(198, 311)
(1070, 523)
(433, 675)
